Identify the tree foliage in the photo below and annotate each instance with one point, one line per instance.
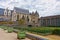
(21, 22)
(10, 22)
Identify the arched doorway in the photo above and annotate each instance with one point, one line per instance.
(18, 17)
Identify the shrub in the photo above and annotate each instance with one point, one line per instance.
(21, 35)
(56, 32)
(3, 22)
(10, 22)
(2, 27)
(5, 28)
(10, 30)
(21, 22)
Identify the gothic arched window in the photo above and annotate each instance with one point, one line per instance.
(17, 17)
(23, 17)
(5, 13)
(9, 12)
(27, 18)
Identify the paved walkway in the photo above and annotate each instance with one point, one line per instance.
(8, 36)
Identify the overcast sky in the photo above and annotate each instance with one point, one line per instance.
(44, 7)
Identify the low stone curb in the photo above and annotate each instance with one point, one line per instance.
(32, 37)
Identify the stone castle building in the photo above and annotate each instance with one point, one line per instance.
(18, 14)
(30, 18)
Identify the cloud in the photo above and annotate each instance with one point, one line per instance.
(44, 7)
(57, 0)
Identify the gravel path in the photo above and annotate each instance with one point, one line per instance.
(54, 37)
(8, 36)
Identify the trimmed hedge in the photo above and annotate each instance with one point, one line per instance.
(37, 30)
(21, 35)
(10, 30)
(41, 30)
(56, 32)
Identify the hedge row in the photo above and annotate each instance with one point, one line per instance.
(42, 30)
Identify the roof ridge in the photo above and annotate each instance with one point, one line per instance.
(21, 8)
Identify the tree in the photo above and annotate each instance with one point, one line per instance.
(21, 22)
(10, 22)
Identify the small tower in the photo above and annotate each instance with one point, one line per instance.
(34, 18)
(36, 13)
(6, 12)
(32, 13)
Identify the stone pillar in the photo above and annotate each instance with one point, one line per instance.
(46, 22)
(50, 21)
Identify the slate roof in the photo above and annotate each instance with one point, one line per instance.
(1, 12)
(20, 10)
(1, 19)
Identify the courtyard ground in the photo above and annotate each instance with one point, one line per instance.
(8, 36)
(54, 37)
(49, 37)
(13, 36)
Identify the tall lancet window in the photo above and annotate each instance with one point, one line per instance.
(27, 18)
(9, 13)
(5, 13)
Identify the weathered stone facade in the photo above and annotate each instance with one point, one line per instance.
(30, 18)
(18, 14)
